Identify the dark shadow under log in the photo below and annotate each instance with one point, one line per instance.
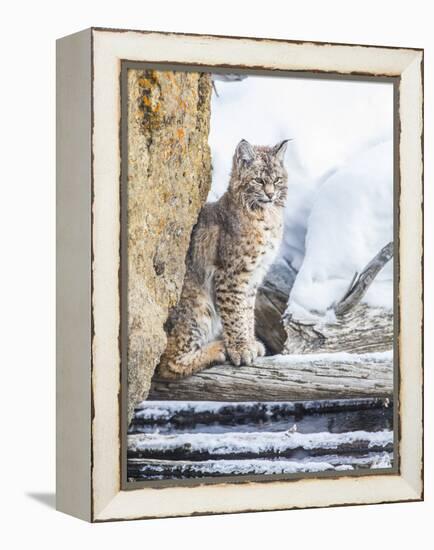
(271, 302)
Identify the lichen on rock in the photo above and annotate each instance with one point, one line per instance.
(169, 176)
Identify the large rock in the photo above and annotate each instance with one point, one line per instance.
(169, 176)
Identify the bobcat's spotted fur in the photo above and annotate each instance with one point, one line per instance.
(232, 246)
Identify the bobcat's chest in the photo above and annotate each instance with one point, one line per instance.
(267, 236)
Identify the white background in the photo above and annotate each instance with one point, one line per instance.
(27, 273)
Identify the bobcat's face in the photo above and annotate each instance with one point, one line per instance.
(262, 178)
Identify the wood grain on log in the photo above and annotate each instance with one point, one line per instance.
(297, 378)
(363, 329)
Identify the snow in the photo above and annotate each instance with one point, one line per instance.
(340, 165)
(254, 466)
(322, 445)
(324, 463)
(336, 357)
(382, 461)
(165, 410)
(255, 442)
(351, 220)
(329, 120)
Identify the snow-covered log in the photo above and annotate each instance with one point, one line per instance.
(242, 445)
(286, 378)
(180, 469)
(357, 327)
(362, 329)
(182, 414)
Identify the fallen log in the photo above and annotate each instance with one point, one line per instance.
(183, 469)
(187, 414)
(361, 330)
(357, 329)
(286, 378)
(254, 445)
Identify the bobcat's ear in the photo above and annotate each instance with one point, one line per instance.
(244, 152)
(279, 150)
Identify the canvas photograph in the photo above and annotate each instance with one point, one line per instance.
(258, 251)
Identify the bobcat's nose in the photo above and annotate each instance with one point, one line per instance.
(269, 190)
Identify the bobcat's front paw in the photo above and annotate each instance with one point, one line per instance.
(245, 354)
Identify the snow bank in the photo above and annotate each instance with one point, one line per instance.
(350, 221)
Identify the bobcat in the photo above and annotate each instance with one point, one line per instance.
(232, 246)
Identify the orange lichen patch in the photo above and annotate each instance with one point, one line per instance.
(155, 107)
(146, 101)
(150, 100)
(145, 83)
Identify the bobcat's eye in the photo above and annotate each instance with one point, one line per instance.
(259, 180)
(277, 181)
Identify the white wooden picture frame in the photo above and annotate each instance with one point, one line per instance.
(89, 405)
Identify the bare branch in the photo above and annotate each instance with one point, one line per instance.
(361, 283)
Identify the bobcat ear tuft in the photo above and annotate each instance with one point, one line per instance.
(279, 150)
(244, 152)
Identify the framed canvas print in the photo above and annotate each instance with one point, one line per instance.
(239, 267)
